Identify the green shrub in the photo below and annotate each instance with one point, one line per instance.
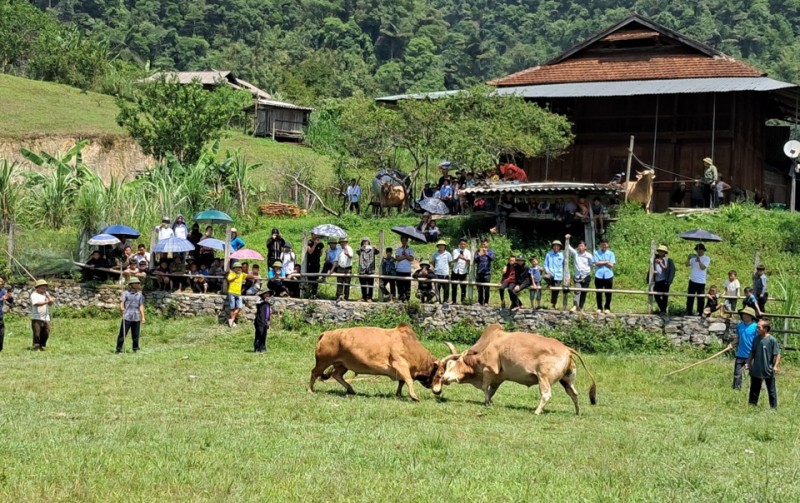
(617, 338)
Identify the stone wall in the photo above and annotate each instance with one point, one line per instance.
(680, 330)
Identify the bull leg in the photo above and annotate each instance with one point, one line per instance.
(569, 387)
(488, 389)
(338, 374)
(316, 373)
(399, 391)
(492, 391)
(404, 377)
(544, 388)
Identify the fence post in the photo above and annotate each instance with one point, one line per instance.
(381, 248)
(304, 266)
(566, 276)
(650, 277)
(472, 269)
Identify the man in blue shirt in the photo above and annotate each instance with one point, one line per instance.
(236, 242)
(484, 258)
(746, 332)
(554, 271)
(446, 195)
(604, 260)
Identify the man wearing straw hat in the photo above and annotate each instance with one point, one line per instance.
(746, 331)
(132, 307)
(40, 315)
(663, 275)
(710, 177)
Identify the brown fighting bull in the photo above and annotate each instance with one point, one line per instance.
(394, 352)
(520, 357)
(391, 196)
(641, 189)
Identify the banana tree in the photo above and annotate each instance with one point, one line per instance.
(11, 200)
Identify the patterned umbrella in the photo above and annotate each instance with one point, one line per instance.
(329, 231)
(103, 239)
(213, 217)
(122, 232)
(410, 232)
(245, 254)
(214, 244)
(173, 245)
(434, 206)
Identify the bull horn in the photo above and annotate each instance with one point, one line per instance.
(452, 348)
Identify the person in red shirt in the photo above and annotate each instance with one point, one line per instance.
(513, 172)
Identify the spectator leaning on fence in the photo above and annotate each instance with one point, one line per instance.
(441, 270)
(404, 257)
(388, 286)
(366, 269)
(604, 261)
(485, 257)
(582, 261)
(462, 258)
(663, 276)
(344, 265)
(554, 271)
(698, 262)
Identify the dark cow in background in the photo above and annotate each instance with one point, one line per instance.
(394, 352)
(524, 358)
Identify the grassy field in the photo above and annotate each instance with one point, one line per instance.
(195, 416)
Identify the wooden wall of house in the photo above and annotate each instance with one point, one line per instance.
(283, 119)
(684, 137)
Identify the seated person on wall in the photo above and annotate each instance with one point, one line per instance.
(275, 280)
(95, 261)
(293, 282)
(713, 304)
(161, 274)
(598, 213)
(130, 271)
(543, 207)
(197, 279)
(254, 281)
(583, 208)
(569, 211)
(425, 291)
(178, 271)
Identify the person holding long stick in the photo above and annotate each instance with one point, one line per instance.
(40, 315)
(132, 307)
(746, 331)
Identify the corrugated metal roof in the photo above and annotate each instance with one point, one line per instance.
(206, 78)
(282, 104)
(623, 88)
(644, 87)
(546, 188)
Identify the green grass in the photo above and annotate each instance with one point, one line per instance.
(196, 417)
(35, 108)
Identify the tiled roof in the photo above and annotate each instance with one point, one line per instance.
(521, 189)
(630, 66)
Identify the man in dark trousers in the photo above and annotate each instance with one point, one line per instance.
(663, 275)
(132, 307)
(261, 322)
(314, 250)
(763, 363)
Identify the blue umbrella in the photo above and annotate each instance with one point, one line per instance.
(122, 231)
(329, 231)
(700, 235)
(173, 245)
(214, 244)
(213, 217)
(103, 239)
(434, 206)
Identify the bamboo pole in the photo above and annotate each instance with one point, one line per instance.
(628, 168)
(381, 246)
(472, 270)
(566, 276)
(304, 265)
(701, 361)
(227, 260)
(650, 275)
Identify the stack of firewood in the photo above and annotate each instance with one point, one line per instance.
(280, 210)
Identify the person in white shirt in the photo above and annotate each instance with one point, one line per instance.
(462, 258)
(733, 289)
(344, 265)
(583, 261)
(40, 315)
(699, 263)
(354, 195)
(288, 258)
(404, 256)
(179, 228)
(164, 230)
(441, 270)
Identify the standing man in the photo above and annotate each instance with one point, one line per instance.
(235, 281)
(663, 275)
(132, 307)
(343, 265)
(237, 243)
(760, 287)
(41, 300)
(261, 322)
(4, 296)
(164, 230)
(746, 331)
(763, 362)
(699, 263)
(314, 249)
(462, 258)
(583, 272)
(404, 256)
(331, 256)
(366, 269)
(353, 196)
(554, 271)
(710, 177)
(275, 246)
(604, 261)
(484, 272)
(441, 270)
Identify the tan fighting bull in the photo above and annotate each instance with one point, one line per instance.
(394, 352)
(641, 189)
(520, 357)
(391, 196)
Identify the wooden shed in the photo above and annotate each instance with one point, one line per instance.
(278, 119)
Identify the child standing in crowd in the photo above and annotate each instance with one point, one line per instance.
(261, 322)
(387, 286)
(732, 291)
(751, 301)
(535, 273)
(760, 287)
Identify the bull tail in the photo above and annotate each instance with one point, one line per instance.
(593, 388)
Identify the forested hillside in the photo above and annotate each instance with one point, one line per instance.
(307, 49)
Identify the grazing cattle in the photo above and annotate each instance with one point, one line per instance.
(520, 357)
(392, 196)
(642, 189)
(394, 352)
